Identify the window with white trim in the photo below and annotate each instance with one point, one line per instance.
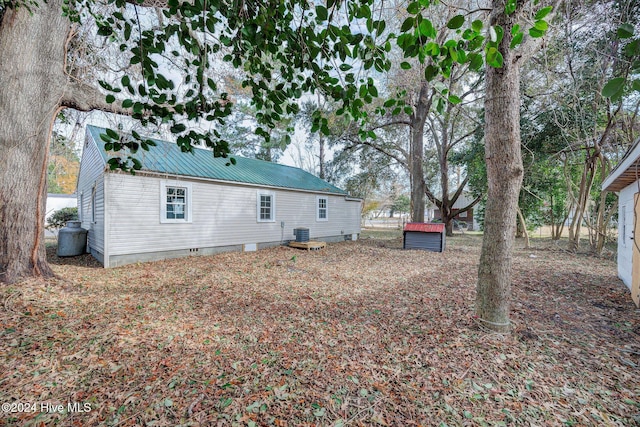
(266, 206)
(322, 208)
(175, 202)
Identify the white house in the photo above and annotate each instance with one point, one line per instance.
(55, 202)
(182, 204)
(625, 179)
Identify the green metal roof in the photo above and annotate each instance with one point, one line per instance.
(166, 157)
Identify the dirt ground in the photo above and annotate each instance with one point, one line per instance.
(359, 333)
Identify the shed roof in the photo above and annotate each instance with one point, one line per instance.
(166, 157)
(627, 172)
(424, 227)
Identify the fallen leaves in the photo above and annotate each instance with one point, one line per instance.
(360, 333)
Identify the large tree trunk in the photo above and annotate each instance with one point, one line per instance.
(32, 51)
(33, 89)
(504, 175)
(416, 166)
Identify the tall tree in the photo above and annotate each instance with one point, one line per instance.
(33, 89)
(504, 160)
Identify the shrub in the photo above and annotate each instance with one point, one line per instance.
(60, 217)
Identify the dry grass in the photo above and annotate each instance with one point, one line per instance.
(360, 333)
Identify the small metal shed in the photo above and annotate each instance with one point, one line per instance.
(425, 236)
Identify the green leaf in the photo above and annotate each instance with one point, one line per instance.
(633, 49)
(454, 99)
(105, 30)
(430, 72)
(517, 39)
(127, 103)
(535, 33)
(455, 22)
(541, 25)
(125, 80)
(543, 12)
(432, 49)
(138, 108)
(510, 6)
(636, 85)
(495, 34)
(405, 65)
(475, 61)
(110, 99)
(614, 88)
(177, 128)
(112, 134)
(477, 25)
(322, 13)
(413, 8)
(407, 24)
(625, 31)
(426, 28)
(494, 58)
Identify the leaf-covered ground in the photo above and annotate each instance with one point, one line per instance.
(359, 333)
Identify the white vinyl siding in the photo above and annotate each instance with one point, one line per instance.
(622, 225)
(322, 208)
(222, 215)
(91, 195)
(625, 232)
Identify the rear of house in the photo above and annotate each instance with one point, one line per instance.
(183, 204)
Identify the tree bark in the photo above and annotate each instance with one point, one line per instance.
(33, 89)
(32, 84)
(416, 167)
(504, 176)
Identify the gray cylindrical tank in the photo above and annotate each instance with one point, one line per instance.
(72, 239)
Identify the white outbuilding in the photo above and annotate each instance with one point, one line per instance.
(625, 179)
(182, 204)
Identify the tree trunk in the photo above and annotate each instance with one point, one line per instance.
(523, 226)
(416, 167)
(33, 89)
(448, 226)
(504, 176)
(32, 52)
(321, 143)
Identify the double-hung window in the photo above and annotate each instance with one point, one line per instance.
(266, 206)
(322, 208)
(175, 202)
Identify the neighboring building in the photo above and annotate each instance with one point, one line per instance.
(55, 202)
(624, 179)
(183, 204)
(465, 217)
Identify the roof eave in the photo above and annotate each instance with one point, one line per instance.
(627, 171)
